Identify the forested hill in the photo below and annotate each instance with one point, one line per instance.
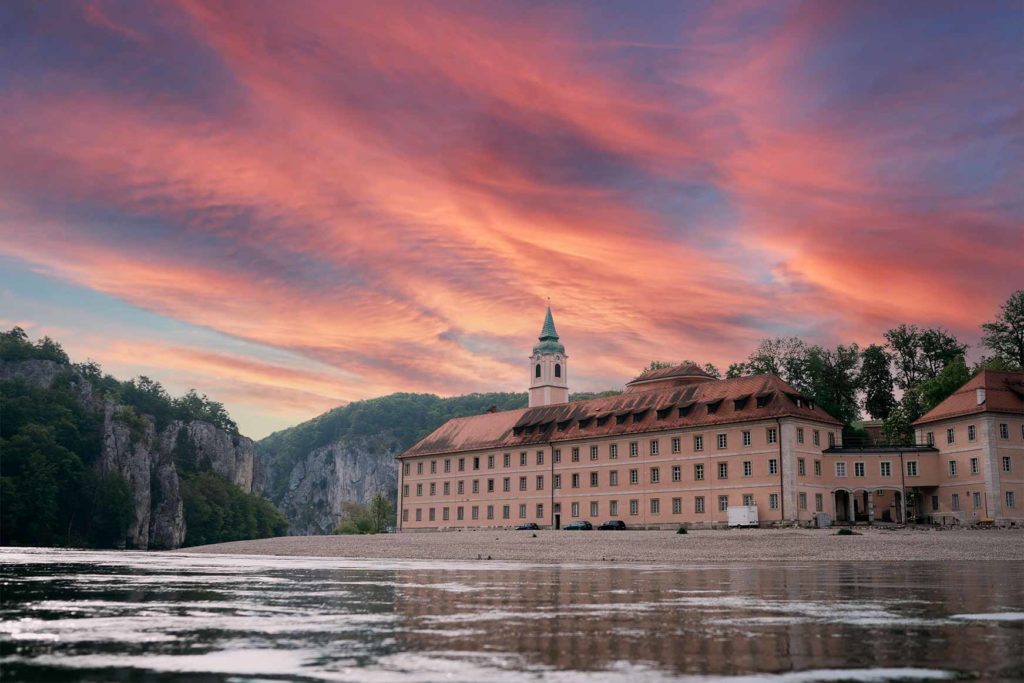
(346, 455)
(91, 461)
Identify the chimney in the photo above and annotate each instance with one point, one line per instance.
(981, 395)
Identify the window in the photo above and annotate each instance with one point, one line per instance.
(698, 472)
(405, 469)
(654, 446)
(447, 465)
(722, 441)
(575, 510)
(593, 508)
(490, 462)
(462, 464)
(575, 454)
(956, 502)
(445, 514)
(972, 433)
(506, 512)
(634, 507)
(613, 451)
(419, 468)
(522, 458)
(1004, 431)
(476, 463)
(540, 482)
(773, 501)
(593, 479)
(655, 475)
(698, 504)
(676, 447)
(817, 468)
(540, 510)
(613, 507)
(447, 488)
(723, 470)
(460, 487)
(613, 478)
(540, 457)
(536, 370)
(506, 484)
(556, 455)
(746, 437)
(593, 452)
(977, 500)
(801, 467)
(698, 443)
(1010, 499)
(1006, 463)
(800, 439)
(419, 515)
(476, 486)
(974, 466)
(634, 476)
(885, 468)
(801, 500)
(773, 466)
(858, 469)
(433, 488)
(819, 503)
(816, 438)
(930, 438)
(949, 435)
(723, 503)
(677, 506)
(634, 449)
(912, 468)
(655, 506)
(935, 503)
(405, 491)
(677, 473)
(840, 469)
(952, 468)
(506, 460)
(522, 511)
(490, 486)
(558, 373)
(556, 481)
(460, 513)
(831, 439)
(773, 435)
(575, 480)
(748, 468)
(419, 489)
(748, 499)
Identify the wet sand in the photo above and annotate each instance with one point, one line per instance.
(749, 545)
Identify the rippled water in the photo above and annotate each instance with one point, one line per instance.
(146, 616)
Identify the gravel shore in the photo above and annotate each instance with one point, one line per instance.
(749, 545)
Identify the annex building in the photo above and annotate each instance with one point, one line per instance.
(680, 447)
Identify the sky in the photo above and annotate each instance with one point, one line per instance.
(293, 205)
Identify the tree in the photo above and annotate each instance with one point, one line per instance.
(1005, 335)
(832, 380)
(876, 382)
(937, 389)
(381, 513)
(782, 356)
(919, 355)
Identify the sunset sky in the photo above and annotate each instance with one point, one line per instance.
(291, 205)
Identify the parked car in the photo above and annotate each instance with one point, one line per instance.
(579, 526)
(613, 525)
(529, 526)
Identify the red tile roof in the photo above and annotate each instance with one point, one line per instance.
(701, 403)
(1004, 393)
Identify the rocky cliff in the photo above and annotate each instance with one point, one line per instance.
(147, 458)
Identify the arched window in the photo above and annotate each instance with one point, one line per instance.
(558, 369)
(536, 373)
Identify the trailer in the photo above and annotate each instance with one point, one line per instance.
(743, 515)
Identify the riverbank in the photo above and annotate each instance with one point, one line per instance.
(748, 545)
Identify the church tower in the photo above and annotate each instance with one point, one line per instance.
(548, 368)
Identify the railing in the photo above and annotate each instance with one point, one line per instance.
(853, 442)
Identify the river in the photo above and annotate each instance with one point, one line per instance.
(125, 616)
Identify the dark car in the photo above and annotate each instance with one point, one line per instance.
(579, 526)
(529, 526)
(613, 525)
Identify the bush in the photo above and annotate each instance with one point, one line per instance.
(844, 532)
(681, 530)
(363, 519)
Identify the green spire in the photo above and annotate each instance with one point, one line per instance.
(549, 337)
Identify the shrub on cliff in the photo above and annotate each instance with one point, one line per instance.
(217, 511)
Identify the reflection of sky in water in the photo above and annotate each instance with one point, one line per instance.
(81, 615)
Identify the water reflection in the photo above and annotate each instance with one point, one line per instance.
(137, 616)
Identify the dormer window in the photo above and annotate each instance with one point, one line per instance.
(713, 406)
(603, 420)
(663, 413)
(585, 422)
(562, 426)
(740, 403)
(620, 419)
(638, 416)
(685, 410)
(762, 400)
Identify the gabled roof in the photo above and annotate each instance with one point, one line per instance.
(1003, 393)
(658, 409)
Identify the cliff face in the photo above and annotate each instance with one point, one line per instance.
(147, 459)
(349, 470)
